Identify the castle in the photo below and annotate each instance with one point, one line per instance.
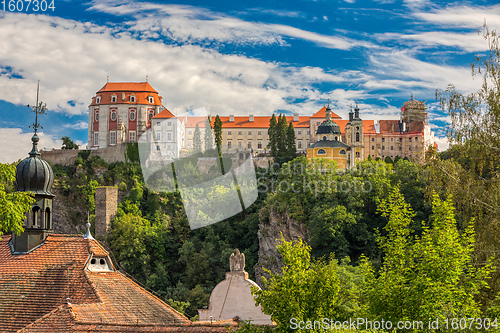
(122, 112)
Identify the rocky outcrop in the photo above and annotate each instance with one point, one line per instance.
(272, 227)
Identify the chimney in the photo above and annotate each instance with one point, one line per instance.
(295, 117)
(123, 96)
(404, 127)
(106, 206)
(231, 118)
(250, 118)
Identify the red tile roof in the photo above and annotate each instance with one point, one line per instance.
(37, 284)
(164, 115)
(127, 86)
(392, 126)
(322, 114)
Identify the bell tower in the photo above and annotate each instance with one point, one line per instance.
(35, 175)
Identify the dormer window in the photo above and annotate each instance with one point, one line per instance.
(132, 98)
(98, 99)
(100, 264)
(151, 99)
(113, 98)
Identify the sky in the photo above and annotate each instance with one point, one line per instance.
(234, 57)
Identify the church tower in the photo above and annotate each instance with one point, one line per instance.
(35, 175)
(354, 137)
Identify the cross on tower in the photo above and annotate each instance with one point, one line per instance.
(39, 108)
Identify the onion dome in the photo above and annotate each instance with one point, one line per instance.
(34, 174)
(328, 126)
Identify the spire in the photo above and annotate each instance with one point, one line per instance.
(356, 111)
(328, 111)
(39, 108)
(88, 235)
(351, 114)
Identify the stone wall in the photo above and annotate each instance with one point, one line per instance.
(67, 156)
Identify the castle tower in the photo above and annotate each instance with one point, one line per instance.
(120, 112)
(414, 110)
(354, 137)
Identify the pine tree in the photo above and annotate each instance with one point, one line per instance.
(273, 140)
(291, 147)
(209, 140)
(197, 140)
(282, 136)
(218, 139)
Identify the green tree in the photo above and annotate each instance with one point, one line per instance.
(13, 205)
(68, 143)
(388, 160)
(273, 136)
(306, 290)
(291, 147)
(209, 140)
(218, 140)
(397, 159)
(427, 276)
(282, 136)
(197, 140)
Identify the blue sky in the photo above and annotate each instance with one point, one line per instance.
(235, 57)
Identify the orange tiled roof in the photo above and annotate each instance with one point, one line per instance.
(35, 284)
(127, 86)
(322, 114)
(244, 121)
(164, 115)
(392, 126)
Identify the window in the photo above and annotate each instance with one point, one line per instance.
(157, 147)
(169, 147)
(400, 139)
(373, 147)
(169, 136)
(357, 136)
(299, 132)
(383, 147)
(259, 132)
(190, 132)
(131, 136)
(240, 132)
(112, 138)
(249, 145)
(151, 99)
(36, 216)
(157, 123)
(383, 139)
(336, 139)
(321, 152)
(259, 144)
(342, 152)
(113, 99)
(409, 139)
(299, 144)
(96, 138)
(113, 115)
(416, 138)
(150, 115)
(169, 123)
(47, 217)
(324, 137)
(357, 128)
(392, 147)
(96, 116)
(392, 139)
(132, 115)
(229, 133)
(357, 154)
(240, 144)
(249, 132)
(229, 145)
(399, 148)
(308, 132)
(158, 136)
(98, 99)
(132, 98)
(373, 139)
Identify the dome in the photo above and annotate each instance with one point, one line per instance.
(328, 127)
(34, 174)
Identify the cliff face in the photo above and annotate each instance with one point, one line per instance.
(272, 227)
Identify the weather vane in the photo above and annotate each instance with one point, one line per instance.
(39, 108)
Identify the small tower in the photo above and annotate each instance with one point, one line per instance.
(35, 175)
(354, 135)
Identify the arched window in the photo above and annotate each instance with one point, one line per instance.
(336, 139)
(113, 115)
(357, 154)
(96, 116)
(36, 216)
(113, 99)
(342, 152)
(357, 136)
(47, 218)
(357, 128)
(98, 99)
(324, 137)
(132, 98)
(321, 152)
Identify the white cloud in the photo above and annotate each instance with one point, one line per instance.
(463, 16)
(19, 144)
(78, 126)
(442, 143)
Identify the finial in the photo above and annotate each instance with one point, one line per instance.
(412, 96)
(351, 108)
(39, 108)
(328, 105)
(88, 235)
(107, 78)
(147, 77)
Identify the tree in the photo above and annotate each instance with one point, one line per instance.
(307, 290)
(388, 160)
(291, 147)
(13, 205)
(218, 140)
(282, 136)
(68, 143)
(427, 276)
(197, 140)
(397, 159)
(209, 140)
(273, 136)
